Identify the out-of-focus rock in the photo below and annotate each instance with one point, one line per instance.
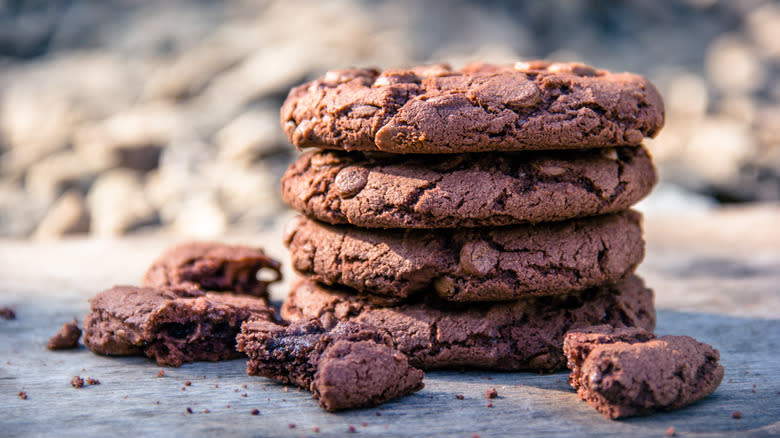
(734, 67)
(243, 188)
(117, 204)
(19, 212)
(200, 217)
(763, 25)
(251, 135)
(718, 149)
(53, 175)
(134, 138)
(68, 215)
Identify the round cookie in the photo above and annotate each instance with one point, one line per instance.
(466, 190)
(435, 109)
(469, 264)
(516, 335)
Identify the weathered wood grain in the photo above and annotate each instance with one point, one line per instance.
(713, 285)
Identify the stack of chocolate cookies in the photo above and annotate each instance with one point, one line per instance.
(473, 215)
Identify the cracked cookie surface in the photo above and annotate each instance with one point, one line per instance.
(516, 335)
(469, 264)
(625, 372)
(171, 329)
(435, 109)
(347, 366)
(465, 190)
(214, 267)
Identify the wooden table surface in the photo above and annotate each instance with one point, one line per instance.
(716, 277)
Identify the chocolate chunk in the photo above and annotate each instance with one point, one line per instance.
(7, 313)
(623, 372)
(351, 365)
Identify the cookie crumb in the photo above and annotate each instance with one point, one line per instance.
(244, 386)
(244, 395)
(161, 373)
(189, 410)
(22, 395)
(736, 415)
(187, 383)
(291, 425)
(255, 411)
(490, 377)
(459, 396)
(183, 388)
(315, 429)
(364, 424)
(491, 393)
(351, 429)
(474, 435)
(66, 338)
(216, 385)
(206, 411)
(77, 382)
(92, 381)
(378, 414)
(489, 405)
(7, 313)
(670, 431)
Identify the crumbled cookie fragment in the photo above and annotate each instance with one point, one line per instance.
(212, 267)
(491, 393)
(171, 329)
(77, 382)
(92, 381)
(7, 313)
(66, 338)
(23, 395)
(629, 371)
(351, 365)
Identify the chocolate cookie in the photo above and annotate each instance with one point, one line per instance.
(466, 190)
(349, 366)
(470, 264)
(214, 267)
(625, 372)
(171, 329)
(517, 335)
(434, 109)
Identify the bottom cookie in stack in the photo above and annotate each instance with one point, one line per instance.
(525, 334)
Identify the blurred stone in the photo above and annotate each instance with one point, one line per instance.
(53, 175)
(253, 134)
(686, 96)
(734, 67)
(243, 188)
(133, 138)
(763, 25)
(117, 204)
(19, 213)
(68, 215)
(718, 149)
(200, 217)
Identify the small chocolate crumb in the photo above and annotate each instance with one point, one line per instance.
(490, 377)
(7, 313)
(22, 395)
(227, 407)
(189, 410)
(491, 393)
(66, 338)
(255, 411)
(670, 431)
(216, 385)
(92, 381)
(753, 391)
(736, 415)
(474, 435)
(77, 382)
(235, 390)
(351, 429)
(206, 411)
(187, 383)
(183, 388)
(459, 396)
(291, 425)
(489, 405)
(364, 424)
(244, 386)
(161, 373)
(378, 414)
(316, 429)
(244, 395)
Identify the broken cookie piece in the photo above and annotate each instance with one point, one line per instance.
(127, 320)
(214, 267)
(352, 365)
(66, 338)
(623, 372)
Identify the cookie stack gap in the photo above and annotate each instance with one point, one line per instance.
(474, 215)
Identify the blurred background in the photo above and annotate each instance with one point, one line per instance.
(126, 116)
